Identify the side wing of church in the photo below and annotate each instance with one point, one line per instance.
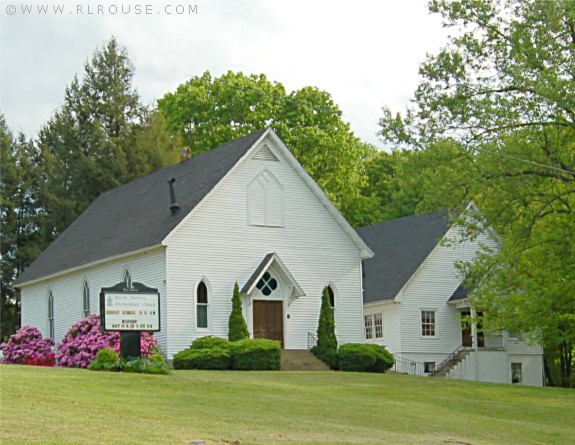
(246, 212)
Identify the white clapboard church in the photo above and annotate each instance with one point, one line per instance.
(245, 212)
(417, 305)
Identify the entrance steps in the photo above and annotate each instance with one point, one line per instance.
(301, 360)
(447, 367)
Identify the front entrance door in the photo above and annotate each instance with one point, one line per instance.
(268, 320)
(466, 337)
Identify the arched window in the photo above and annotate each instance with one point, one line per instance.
(50, 315)
(85, 299)
(331, 297)
(202, 305)
(127, 278)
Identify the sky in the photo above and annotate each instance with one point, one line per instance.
(365, 53)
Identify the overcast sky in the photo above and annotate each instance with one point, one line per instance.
(365, 53)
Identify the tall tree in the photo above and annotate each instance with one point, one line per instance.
(100, 138)
(19, 214)
(208, 112)
(504, 90)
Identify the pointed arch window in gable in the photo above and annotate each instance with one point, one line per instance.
(265, 201)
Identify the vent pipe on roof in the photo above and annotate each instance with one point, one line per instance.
(174, 207)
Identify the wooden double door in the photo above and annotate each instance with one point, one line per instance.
(269, 320)
(466, 335)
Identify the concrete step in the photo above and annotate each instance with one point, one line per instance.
(301, 360)
(447, 369)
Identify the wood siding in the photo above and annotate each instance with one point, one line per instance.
(391, 325)
(429, 289)
(148, 268)
(218, 242)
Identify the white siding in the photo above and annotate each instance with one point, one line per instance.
(429, 289)
(147, 268)
(218, 243)
(391, 325)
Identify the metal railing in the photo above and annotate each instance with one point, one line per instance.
(494, 341)
(406, 366)
(311, 340)
(451, 359)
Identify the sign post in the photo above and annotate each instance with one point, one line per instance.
(129, 310)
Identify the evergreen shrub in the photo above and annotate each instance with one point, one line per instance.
(205, 353)
(237, 328)
(364, 358)
(326, 348)
(257, 354)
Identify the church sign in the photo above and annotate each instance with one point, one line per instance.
(129, 310)
(135, 308)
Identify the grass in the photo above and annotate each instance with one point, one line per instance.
(74, 406)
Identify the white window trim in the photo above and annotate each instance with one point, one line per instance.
(375, 327)
(50, 314)
(365, 317)
(126, 272)
(209, 310)
(85, 286)
(266, 199)
(436, 324)
(335, 311)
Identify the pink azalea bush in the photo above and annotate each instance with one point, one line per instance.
(84, 339)
(28, 347)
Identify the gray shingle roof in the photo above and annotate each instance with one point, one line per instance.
(137, 215)
(400, 246)
(256, 275)
(460, 293)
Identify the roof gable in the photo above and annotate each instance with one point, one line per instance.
(263, 267)
(137, 215)
(400, 246)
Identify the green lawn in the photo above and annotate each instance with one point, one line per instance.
(73, 406)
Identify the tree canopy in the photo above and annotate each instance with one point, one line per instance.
(100, 138)
(208, 112)
(502, 94)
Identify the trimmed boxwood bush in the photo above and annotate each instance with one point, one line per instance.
(217, 357)
(364, 358)
(205, 353)
(257, 354)
(209, 342)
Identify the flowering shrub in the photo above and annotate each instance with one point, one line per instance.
(48, 360)
(84, 339)
(27, 347)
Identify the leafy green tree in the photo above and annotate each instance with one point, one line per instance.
(100, 138)
(503, 91)
(208, 112)
(237, 328)
(19, 215)
(326, 348)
